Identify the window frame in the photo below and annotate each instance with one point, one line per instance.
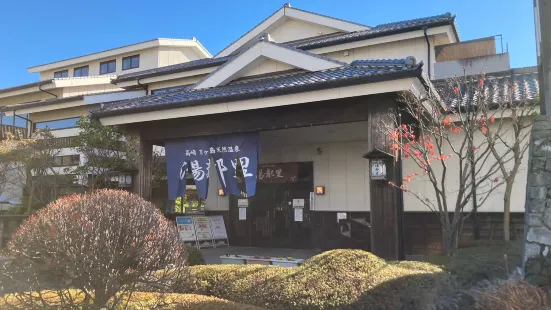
(108, 62)
(61, 72)
(130, 61)
(35, 125)
(80, 68)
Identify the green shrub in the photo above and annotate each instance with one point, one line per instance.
(481, 261)
(194, 256)
(352, 279)
(138, 301)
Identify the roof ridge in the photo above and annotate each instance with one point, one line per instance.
(447, 15)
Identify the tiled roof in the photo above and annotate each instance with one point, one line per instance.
(186, 66)
(356, 73)
(23, 86)
(35, 104)
(378, 31)
(497, 87)
(276, 44)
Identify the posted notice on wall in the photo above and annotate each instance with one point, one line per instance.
(217, 227)
(299, 214)
(202, 228)
(242, 214)
(186, 229)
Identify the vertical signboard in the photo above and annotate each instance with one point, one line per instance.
(186, 229)
(218, 229)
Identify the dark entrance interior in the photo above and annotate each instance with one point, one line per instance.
(271, 218)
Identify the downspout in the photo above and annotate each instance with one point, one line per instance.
(143, 86)
(428, 49)
(47, 92)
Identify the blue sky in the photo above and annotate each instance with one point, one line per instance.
(37, 32)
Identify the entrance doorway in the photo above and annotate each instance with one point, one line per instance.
(271, 219)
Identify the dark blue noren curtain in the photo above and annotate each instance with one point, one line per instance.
(226, 151)
(183, 156)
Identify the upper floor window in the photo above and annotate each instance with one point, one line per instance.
(108, 67)
(61, 74)
(131, 62)
(67, 160)
(58, 124)
(81, 71)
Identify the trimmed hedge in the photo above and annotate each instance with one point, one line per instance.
(194, 256)
(344, 279)
(139, 301)
(481, 261)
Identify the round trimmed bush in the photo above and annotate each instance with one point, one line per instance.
(194, 256)
(337, 279)
(105, 243)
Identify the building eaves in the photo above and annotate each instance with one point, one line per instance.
(20, 106)
(112, 49)
(379, 31)
(182, 67)
(24, 86)
(353, 74)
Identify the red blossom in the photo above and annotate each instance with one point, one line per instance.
(456, 90)
(492, 119)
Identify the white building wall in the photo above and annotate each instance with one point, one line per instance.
(336, 152)
(293, 29)
(494, 203)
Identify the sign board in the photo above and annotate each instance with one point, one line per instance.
(242, 203)
(378, 169)
(186, 229)
(341, 216)
(298, 203)
(278, 173)
(298, 214)
(242, 214)
(312, 198)
(217, 227)
(202, 228)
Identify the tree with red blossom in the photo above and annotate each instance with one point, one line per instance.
(508, 117)
(439, 133)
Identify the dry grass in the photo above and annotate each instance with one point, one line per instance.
(138, 301)
(512, 295)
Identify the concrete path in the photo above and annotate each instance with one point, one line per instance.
(212, 256)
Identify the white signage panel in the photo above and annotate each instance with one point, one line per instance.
(202, 228)
(217, 227)
(186, 229)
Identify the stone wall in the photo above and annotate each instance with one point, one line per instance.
(537, 249)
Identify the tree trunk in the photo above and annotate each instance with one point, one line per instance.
(507, 210)
(450, 241)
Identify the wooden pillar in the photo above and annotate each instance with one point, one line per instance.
(142, 179)
(385, 199)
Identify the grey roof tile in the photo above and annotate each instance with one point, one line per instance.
(497, 88)
(378, 31)
(182, 67)
(361, 72)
